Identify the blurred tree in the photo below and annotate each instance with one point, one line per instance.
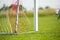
(40, 8)
(10, 6)
(23, 8)
(47, 7)
(4, 8)
(0, 9)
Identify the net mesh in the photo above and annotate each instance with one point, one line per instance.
(8, 19)
(4, 24)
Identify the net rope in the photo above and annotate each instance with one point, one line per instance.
(4, 24)
(8, 20)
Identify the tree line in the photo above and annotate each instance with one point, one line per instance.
(41, 8)
(8, 7)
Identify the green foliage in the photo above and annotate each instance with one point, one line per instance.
(3, 15)
(47, 7)
(30, 14)
(47, 12)
(41, 8)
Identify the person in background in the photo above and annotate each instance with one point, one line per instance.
(58, 13)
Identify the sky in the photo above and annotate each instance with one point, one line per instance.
(51, 3)
(29, 4)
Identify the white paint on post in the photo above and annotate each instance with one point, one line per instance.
(36, 15)
(17, 11)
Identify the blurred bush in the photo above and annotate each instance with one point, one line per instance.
(47, 12)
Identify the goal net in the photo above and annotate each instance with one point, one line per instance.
(4, 22)
(18, 16)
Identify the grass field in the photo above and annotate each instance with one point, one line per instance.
(49, 29)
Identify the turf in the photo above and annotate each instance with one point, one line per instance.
(49, 29)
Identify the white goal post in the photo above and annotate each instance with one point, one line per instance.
(35, 15)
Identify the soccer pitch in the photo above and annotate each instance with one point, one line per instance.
(49, 29)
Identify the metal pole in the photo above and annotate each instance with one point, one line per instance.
(17, 11)
(35, 15)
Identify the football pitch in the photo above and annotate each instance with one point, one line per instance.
(49, 29)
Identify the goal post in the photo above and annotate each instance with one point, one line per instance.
(36, 15)
(17, 11)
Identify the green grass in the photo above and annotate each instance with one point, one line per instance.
(24, 24)
(49, 29)
(4, 24)
(47, 12)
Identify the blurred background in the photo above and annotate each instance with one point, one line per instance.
(48, 23)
